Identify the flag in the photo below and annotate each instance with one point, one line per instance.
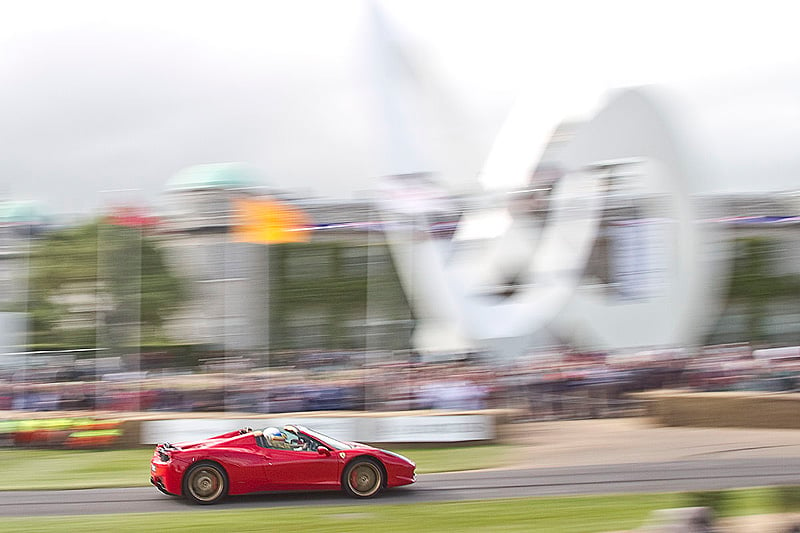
(133, 217)
(268, 221)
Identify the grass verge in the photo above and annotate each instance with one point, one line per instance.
(74, 469)
(585, 514)
(548, 514)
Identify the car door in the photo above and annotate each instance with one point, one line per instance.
(246, 465)
(296, 469)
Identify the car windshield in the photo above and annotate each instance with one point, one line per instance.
(329, 441)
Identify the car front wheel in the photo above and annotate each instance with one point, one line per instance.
(205, 483)
(363, 478)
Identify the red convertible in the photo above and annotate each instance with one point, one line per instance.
(288, 459)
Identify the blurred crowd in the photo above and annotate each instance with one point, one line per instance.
(544, 386)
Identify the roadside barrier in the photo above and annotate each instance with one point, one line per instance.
(426, 427)
(723, 409)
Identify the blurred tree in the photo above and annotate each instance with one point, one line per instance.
(331, 280)
(754, 285)
(74, 289)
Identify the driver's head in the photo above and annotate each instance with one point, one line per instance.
(274, 434)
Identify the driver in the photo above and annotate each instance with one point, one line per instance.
(276, 439)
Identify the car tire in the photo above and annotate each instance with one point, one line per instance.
(205, 483)
(362, 478)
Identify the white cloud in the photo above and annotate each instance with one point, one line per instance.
(99, 95)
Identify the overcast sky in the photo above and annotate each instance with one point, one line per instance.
(98, 95)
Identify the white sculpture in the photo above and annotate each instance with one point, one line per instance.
(662, 152)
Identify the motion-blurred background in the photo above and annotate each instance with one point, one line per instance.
(266, 207)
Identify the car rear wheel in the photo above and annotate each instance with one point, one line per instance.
(205, 483)
(363, 478)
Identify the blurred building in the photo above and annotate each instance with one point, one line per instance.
(333, 292)
(227, 303)
(20, 222)
(765, 281)
(340, 290)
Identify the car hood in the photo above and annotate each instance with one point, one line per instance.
(360, 446)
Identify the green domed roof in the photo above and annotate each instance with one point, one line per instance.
(214, 176)
(21, 211)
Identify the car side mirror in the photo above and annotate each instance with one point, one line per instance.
(322, 450)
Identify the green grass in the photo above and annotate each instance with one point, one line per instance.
(70, 469)
(454, 459)
(573, 514)
(548, 514)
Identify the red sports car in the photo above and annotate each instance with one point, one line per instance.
(292, 458)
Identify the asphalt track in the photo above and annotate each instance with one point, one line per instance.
(713, 474)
